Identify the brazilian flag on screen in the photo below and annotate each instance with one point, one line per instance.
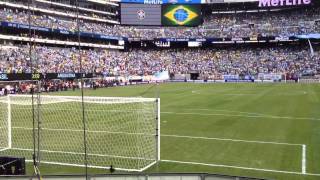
(181, 15)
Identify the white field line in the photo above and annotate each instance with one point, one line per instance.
(304, 159)
(148, 166)
(253, 113)
(208, 138)
(4, 149)
(239, 94)
(79, 165)
(178, 136)
(75, 153)
(239, 115)
(238, 167)
(169, 135)
(224, 110)
(232, 140)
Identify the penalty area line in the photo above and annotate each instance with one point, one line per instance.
(239, 167)
(304, 159)
(232, 140)
(81, 165)
(4, 149)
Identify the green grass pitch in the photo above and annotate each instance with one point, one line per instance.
(259, 130)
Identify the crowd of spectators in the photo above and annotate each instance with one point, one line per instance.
(27, 87)
(109, 12)
(233, 25)
(249, 61)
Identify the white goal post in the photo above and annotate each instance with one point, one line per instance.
(120, 132)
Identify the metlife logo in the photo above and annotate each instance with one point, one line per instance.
(279, 3)
(164, 1)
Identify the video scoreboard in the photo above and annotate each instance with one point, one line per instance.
(140, 14)
(161, 15)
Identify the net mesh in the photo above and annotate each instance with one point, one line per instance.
(120, 131)
(4, 144)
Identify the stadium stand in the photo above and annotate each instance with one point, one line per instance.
(216, 24)
(141, 62)
(51, 57)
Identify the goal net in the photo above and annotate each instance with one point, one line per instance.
(122, 132)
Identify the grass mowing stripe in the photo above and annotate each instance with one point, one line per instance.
(232, 111)
(248, 116)
(170, 135)
(238, 167)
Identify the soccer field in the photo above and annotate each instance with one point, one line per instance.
(259, 130)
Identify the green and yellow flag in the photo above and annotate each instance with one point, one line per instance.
(181, 15)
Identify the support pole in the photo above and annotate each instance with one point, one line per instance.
(9, 123)
(158, 129)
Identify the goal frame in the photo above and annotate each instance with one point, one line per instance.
(9, 123)
(157, 132)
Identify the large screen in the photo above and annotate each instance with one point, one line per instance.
(181, 15)
(140, 14)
